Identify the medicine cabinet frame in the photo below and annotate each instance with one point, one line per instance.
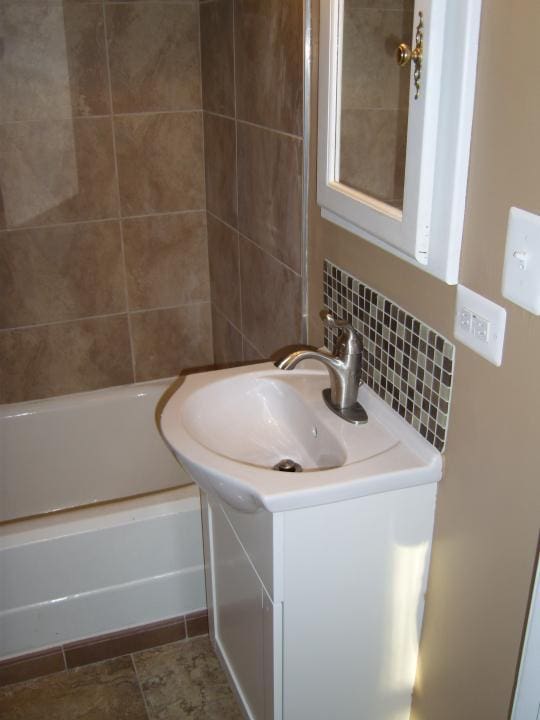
(428, 231)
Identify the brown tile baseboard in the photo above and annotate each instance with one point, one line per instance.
(33, 665)
(102, 647)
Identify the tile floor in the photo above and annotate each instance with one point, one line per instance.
(182, 680)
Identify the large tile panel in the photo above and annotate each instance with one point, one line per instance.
(217, 56)
(227, 340)
(166, 260)
(168, 341)
(160, 162)
(57, 171)
(271, 300)
(60, 273)
(223, 256)
(64, 358)
(220, 150)
(270, 191)
(54, 64)
(269, 63)
(154, 56)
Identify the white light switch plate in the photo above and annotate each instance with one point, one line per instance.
(479, 323)
(521, 275)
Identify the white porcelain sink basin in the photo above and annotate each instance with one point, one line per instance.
(230, 427)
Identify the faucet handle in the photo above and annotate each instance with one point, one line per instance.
(350, 341)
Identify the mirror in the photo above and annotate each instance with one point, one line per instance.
(374, 99)
(396, 96)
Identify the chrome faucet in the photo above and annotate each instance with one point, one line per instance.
(344, 368)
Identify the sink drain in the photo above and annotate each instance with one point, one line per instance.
(287, 465)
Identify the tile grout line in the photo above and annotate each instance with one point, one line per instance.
(118, 218)
(256, 125)
(102, 116)
(106, 315)
(118, 197)
(139, 685)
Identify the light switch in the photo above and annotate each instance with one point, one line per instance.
(521, 275)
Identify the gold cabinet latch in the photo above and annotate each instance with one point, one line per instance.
(404, 54)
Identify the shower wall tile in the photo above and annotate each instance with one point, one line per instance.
(160, 162)
(217, 56)
(57, 171)
(64, 358)
(227, 340)
(54, 65)
(154, 56)
(166, 260)
(271, 300)
(61, 273)
(270, 191)
(269, 63)
(407, 363)
(250, 354)
(77, 242)
(220, 148)
(169, 341)
(223, 256)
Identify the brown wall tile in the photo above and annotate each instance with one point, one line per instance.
(250, 353)
(224, 264)
(154, 56)
(166, 260)
(220, 171)
(271, 300)
(217, 56)
(269, 63)
(60, 273)
(270, 191)
(64, 358)
(227, 340)
(168, 341)
(57, 171)
(54, 64)
(160, 162)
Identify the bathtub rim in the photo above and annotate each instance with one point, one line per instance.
(38, 406)
(90, 518)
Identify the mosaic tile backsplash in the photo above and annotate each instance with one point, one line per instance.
(407, 363)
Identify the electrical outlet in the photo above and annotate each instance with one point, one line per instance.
(480, 324)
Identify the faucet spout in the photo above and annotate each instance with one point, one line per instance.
(344, 370)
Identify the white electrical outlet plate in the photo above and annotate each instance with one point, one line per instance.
(521, 274)
(480, 324)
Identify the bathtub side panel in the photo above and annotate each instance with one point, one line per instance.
(78, 450)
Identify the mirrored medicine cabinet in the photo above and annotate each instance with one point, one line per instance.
(396, 95)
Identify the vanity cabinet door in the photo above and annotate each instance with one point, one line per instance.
(243, 619)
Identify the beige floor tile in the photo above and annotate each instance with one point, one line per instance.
(185, 681)
(104, 691)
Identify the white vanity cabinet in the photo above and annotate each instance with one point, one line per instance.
(316, 613)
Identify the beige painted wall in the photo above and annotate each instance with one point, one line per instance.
(489, 500)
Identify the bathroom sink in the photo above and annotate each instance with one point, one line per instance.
(231, 428)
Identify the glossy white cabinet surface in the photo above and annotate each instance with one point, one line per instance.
(316, 613)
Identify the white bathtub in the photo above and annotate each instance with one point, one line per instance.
(72, 574)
